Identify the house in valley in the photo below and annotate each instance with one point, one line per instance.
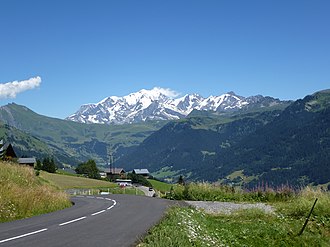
(113, 173)
(27, 161)
(142, 172)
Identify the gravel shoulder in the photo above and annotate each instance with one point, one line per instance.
(228, 207)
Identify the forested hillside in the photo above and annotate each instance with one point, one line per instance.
(273, 147)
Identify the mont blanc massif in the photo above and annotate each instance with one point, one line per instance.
(228, 138)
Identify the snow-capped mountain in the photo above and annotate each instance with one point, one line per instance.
(158, 104)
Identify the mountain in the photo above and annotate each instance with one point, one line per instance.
(24, 144)
(70, 142)
(155, 104)
(274, 146)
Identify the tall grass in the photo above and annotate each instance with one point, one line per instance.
(22, 195)
(251, 227)
(216, 192)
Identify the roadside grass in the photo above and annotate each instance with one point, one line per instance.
(22, 195)
(225, 193)
(251, 227)
(161, 186)
(84, 185)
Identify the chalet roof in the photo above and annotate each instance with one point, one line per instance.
(27, 160)
(114, 170)
(141, 171)
(8, 150)
(5, 146)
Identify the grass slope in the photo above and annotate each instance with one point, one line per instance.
(161, 186)
(22, 194)
(66, 182)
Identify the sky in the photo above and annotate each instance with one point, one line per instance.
(58, 55)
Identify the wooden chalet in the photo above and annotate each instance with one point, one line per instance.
(142, 172)
(27, 161)
(115, 172)
(7, 152)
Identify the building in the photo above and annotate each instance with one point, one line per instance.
(114, 173)
(7, 151)
(124, 182)
(27, 161)
(142, 172)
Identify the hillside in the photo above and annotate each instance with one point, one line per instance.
(22, 194)
(274, 147)
(181, 147)
(73, 142)
(25, 144)
(294, 148)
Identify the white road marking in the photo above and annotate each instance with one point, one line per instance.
(114, 204)
(71, 221)
(65, 223)
(102, 211)
(22, 236)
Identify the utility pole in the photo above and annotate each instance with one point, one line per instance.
(109, 153)
(111, 162)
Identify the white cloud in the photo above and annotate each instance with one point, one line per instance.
(11, 89)
(167, 91)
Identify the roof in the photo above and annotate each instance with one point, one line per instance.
(27, 160)
(8, 150)
(141, 171)
(114, 170)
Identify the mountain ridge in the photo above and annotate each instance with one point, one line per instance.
(155, 104)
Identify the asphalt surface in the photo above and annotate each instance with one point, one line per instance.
(112, 220)
(146, 190)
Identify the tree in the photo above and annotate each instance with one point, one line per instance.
(180, 180)
(139, 179)
(89, 168)
(48, 165)
(38, 165)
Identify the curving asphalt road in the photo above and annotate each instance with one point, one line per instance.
(115, 220)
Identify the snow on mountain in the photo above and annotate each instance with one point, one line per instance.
(157, 104)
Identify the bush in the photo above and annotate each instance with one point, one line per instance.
(89, 169)
(139, 179)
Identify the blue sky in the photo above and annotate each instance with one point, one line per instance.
(84, 51)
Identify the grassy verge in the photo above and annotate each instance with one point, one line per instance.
(191, 227)
(215, 192)
(85, 185)
(161, 186)
(22, 195)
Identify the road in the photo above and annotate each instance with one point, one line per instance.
(112, 220)
(146, 190)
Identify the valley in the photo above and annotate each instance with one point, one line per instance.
(262, 143)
